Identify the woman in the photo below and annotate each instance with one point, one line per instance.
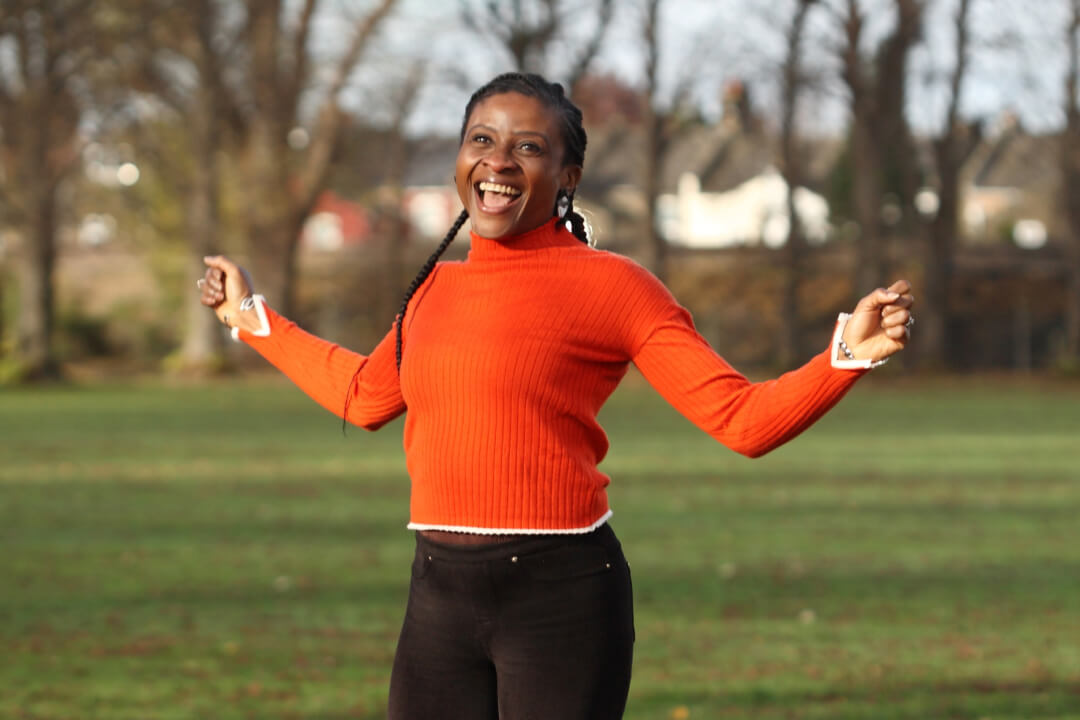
(520, 601)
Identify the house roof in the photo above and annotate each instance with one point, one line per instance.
(1017, 159)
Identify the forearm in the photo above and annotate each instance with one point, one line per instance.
(750, 418)
(327, 372)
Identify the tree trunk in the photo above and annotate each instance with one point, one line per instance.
(1071, 198)
(938, 262)
(950, 149)
(869, 255)
(269, 225)
(658, 247)
(202, 349)
(36, 297)
(1070, 192)
(1072, 308)
(655, 139)
(795, 248)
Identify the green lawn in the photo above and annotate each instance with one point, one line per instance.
(223, 552)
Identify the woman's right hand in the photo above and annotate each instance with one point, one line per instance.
(223, 287)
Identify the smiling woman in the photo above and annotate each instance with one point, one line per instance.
(513, 166)
(520, 601)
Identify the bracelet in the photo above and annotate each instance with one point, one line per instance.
(248, 302)
(846, 350)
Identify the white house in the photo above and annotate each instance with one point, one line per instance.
(752, 213)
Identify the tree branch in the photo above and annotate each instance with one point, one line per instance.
(299, 51)
(581, 66)
(364, 30)
(328, 123)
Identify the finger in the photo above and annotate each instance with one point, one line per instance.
(211, 287)
(900, 287)
(904, 302)
(877, 299)
(220, 262)
(898, 333)
(215, 279)
(899, 318)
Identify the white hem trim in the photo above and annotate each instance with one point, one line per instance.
(511, 531)
(838, 334)
(264, 322)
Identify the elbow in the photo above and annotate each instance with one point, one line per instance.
(751, 449)
(367, 422)
(752, 452)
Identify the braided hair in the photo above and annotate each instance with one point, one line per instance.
(573, 138)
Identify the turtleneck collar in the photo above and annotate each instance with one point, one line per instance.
(552, 234)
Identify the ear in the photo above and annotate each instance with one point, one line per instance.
(570, 177)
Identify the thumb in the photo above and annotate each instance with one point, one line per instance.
(877, 299)
(220, 262)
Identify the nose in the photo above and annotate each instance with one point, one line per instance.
(500, 159)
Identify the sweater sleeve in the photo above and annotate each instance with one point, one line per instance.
(750, 418)
(326, 371)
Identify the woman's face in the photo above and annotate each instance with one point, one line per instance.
(510, 165)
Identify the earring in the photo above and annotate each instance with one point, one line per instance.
(563, 203)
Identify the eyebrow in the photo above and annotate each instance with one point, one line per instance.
(531, 133)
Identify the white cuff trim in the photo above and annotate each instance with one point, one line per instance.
(511, 531)
(838, 335)
(264, 323)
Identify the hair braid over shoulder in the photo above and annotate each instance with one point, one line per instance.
(417, 281)
(421, 277)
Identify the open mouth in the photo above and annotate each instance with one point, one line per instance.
(496, 197)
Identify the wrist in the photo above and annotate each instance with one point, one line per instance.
(244, 317)
(250, 316)
(842, 355)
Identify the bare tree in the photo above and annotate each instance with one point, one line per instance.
(1070, 176)
(42, 91)
(402, 104)
(951, 147)
(181, 61)
(528, 31)
(793, 82)
(658, 135)
(876, 89)
(280, 193)
(666, 115)
(202, 345)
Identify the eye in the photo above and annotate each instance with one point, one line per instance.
(480, 139)
(531, 147)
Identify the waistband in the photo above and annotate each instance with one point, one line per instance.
(603, 536)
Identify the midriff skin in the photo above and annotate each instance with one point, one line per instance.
(464, 538)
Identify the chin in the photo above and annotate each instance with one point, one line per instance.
(495, 227)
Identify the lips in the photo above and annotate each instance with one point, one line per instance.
(496, 197)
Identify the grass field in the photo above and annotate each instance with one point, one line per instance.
(223, 552)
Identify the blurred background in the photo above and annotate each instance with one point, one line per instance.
(182, 535)
(769, 161)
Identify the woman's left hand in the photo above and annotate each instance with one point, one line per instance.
(881, 323)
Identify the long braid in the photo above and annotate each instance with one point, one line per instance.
(577, 222)
(399, 321)
(422, 276)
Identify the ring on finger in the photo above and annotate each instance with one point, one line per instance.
(910, 322)
(200, 282)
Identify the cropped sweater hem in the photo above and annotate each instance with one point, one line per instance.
(512, 531)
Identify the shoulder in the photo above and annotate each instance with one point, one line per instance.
(625, 272)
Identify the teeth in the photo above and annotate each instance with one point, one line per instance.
(496, 187)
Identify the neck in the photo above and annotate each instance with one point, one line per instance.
(552, 234)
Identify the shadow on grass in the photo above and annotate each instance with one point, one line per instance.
(975, 699)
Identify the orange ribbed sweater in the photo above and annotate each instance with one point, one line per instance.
(508, 357)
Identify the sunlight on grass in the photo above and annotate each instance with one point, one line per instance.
(224, 552)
